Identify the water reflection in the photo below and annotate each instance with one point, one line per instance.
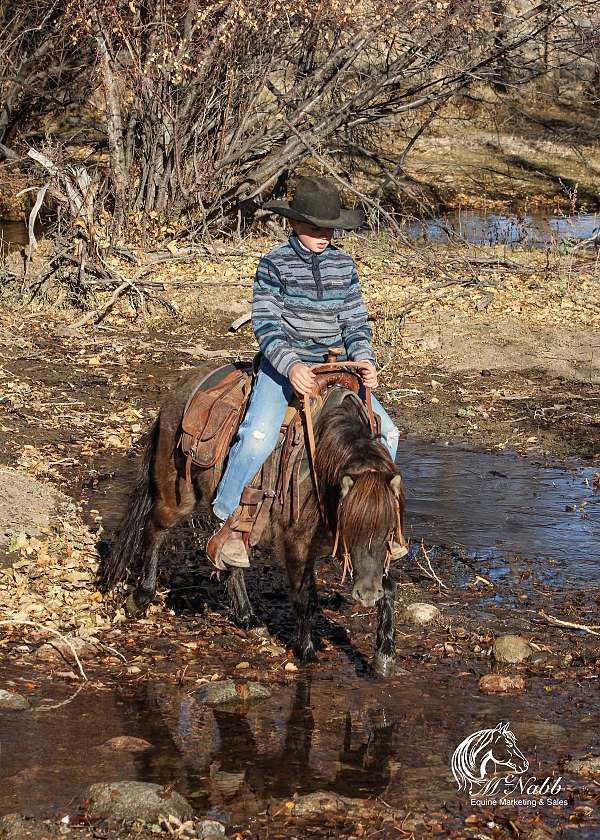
(392, 741)
(294, 743)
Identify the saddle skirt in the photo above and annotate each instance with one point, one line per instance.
(210, 423)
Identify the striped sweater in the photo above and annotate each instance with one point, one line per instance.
(303, 303)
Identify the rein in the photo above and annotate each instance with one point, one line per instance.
(324, 368)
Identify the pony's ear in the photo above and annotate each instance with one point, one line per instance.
(346, 485)
(396, 485)
(503, 726)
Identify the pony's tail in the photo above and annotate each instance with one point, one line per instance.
(128, 544)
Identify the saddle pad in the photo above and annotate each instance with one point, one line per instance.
(213, 378)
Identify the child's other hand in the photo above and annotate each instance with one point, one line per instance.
(303, 379)
(369, 374)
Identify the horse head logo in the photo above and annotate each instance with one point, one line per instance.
(485, 754)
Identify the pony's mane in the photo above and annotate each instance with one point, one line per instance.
(346, 446)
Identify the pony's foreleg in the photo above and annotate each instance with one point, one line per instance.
(303, 594)
(243, 614)
(385, 653)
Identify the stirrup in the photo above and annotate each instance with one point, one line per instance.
(214, 547)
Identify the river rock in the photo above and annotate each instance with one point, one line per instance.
(126, 743)
(56, 650)
(252, 691)
(540, 833)
(135, 801)
(421, 613)
(499, 683)
(209, 830)
(213, 693)
(320, 802)
(16, 827)
(10, 701)
(511, 648)
(588, 767)
(226, 691)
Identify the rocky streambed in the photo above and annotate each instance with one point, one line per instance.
(501, 545)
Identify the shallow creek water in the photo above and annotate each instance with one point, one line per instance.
(532, 229)
(331, 728)
(501, 508)
(392, 741)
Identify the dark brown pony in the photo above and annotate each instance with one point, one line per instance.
(362, 499)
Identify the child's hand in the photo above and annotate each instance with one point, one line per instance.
(303, 379)
(369, 374)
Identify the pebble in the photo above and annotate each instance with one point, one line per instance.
(135, 801)
(213, 693)
(252, 691)
(126, 743)
(226, 691)
(319, 802)
(588, 767)
(511, 649)
(498, 683)
(418, 613)
(209, 830)
(10, 701)
(58, 649)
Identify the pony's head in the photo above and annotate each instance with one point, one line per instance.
(370, 512)
(364, 501)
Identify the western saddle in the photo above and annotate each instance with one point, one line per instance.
(212, 417)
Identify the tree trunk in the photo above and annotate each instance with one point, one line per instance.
(114, 124)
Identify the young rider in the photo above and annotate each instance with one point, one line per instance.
(306, 299)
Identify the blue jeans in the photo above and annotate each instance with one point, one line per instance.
(259, 432)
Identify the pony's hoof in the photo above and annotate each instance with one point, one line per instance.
(251, 624)
(384, 665)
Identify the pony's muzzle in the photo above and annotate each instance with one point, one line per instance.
(367, 593)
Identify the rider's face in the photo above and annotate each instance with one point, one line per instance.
(314, 238)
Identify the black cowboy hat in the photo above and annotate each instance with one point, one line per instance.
(317, 201)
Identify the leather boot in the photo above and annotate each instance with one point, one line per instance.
(227, 548)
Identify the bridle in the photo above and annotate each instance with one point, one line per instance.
(396, 530)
